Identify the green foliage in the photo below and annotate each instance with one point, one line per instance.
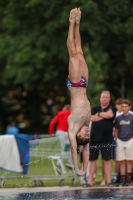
(95, 78)
(33, 53)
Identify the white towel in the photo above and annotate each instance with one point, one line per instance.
(9, 154)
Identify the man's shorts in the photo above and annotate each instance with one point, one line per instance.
(124, 150)
(103, 147)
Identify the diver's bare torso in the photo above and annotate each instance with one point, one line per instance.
(80, 109)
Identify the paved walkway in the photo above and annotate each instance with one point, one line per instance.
(48, 189)
(36, 189)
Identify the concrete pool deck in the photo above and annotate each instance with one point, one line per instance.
(4, 191)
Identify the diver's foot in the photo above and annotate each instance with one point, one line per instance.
(78, 17)
(73, 14)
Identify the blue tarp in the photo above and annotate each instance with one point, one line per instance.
(23, 146)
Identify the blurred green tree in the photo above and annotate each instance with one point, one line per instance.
(34, 58)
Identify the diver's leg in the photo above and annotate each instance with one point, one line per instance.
(70, 39)
(74, 64)
(82, 63)
(77, 32)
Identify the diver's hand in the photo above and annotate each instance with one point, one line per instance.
(80, 173)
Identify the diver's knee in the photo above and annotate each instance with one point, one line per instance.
(71, 49)
(80, 52)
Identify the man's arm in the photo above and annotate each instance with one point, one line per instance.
(95, 114)
(102, 115)
(51, 126)
(107, 115)
(96, 117)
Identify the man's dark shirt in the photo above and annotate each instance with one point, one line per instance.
(101, 131)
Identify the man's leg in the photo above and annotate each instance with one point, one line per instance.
(92, 171)
(103, 182)
(106, 150)
(94, 151)
(107, 170)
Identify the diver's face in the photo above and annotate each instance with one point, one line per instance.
(83, 133)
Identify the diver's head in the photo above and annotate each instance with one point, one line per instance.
(83, 135)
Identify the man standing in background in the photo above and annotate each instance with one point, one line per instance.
(102, 118)
(12, 129)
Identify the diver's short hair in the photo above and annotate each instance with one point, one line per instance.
(82, 141)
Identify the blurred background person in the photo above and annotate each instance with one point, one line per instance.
(60, 124)
(12, 129)
(102, 118)
(116, 178)
(124, 143)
